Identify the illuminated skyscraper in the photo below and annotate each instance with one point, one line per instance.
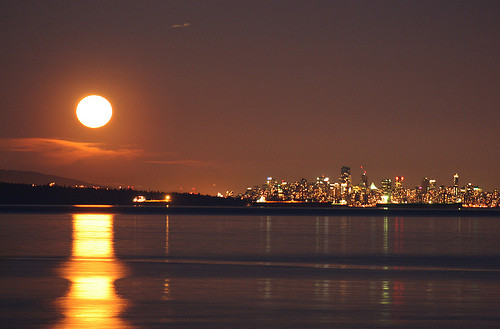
(364, 178)
(398, 182)
(345, 179)
(455, 185)
(432, 185)
(425, 185)
(345, 175)
(398, 195)
(386, 190)
(386, 185)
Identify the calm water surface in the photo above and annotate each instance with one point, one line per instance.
(194, 271)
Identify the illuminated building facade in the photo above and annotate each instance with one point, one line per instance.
(345, 181)
(398, 182)
(386, 185)
(455, 185)
(364, 179)
(399, 195)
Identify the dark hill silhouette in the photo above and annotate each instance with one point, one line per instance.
(28, 187)
(31, 177)
(24, 194)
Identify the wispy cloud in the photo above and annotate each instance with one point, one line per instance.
(180, 26)
(191, 163)
(56, 151)
(64, 151)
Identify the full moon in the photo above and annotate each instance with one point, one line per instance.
(94, 111)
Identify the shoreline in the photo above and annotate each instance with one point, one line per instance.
(250, 210)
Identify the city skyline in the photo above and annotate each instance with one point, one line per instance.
(215, 96)
(345, 191)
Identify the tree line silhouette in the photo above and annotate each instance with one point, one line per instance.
(12, 193)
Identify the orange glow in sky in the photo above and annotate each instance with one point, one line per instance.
(219, 102)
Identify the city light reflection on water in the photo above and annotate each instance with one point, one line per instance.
(91, 301)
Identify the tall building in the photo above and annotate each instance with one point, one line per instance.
(455, 185)
(386, 185)
(432, 185)
(364, 179)
(425, 185)
(398, 182)
(345, 175)
(345, 179)
(398, 195)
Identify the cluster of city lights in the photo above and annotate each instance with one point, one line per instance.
(345, 192)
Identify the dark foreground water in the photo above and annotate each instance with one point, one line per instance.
(242, 271)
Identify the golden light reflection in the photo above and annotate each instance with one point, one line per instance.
(92, 205)
(166, 290)
(167, 233)
(92, 270)
(93, 236)
(385, 293)
(386, 235)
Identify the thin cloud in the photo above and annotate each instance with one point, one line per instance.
(191, 163)
(180, 26)
(64, 151)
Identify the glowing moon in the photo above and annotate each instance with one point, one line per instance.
(94, 111)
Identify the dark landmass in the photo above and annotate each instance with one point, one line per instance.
(31, 177)
(24, 194)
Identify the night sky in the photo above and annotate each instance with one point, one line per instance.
(219, 95)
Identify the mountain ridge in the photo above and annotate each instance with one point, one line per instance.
(32, 177)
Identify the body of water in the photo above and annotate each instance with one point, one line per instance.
(122, 270)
